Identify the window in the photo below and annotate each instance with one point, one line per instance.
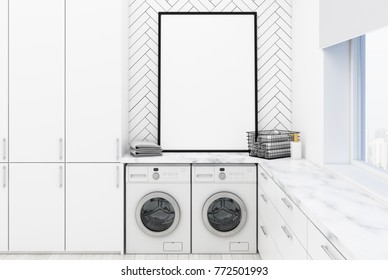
(372, 100)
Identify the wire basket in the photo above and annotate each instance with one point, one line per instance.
(270, 144)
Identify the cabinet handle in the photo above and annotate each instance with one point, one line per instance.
(4, 176)
(264, 176)
(4, 149)
(327, 251)
(264, 198)
(263, 230)
(289, 236)
(118, 177)
(289, 205)
(60, 176)
(117, 149)
(60, 148)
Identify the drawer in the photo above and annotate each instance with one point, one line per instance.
(265, 244)
(172, 246)
(266, 210)
(289, 246)
(293, 216)
(266, 183)
(319, 248)
(238, 246)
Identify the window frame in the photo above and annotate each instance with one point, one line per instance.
(358, 126)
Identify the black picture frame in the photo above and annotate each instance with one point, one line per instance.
(160, 14)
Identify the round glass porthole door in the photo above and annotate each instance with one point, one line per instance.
(157, 214)
(224, 214)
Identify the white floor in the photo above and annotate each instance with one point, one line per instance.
(126, 257)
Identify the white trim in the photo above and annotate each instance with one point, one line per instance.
(371, 169)
(361, 176)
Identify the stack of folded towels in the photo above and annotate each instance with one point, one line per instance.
(273, 146)
(145, 149)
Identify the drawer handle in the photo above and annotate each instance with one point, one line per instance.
(60, 149)
(4, 177)
(263, 230)
(327, 251)
(4, 149)
(60, 176)
(117, 176)
(264, 176)
(288, 204)
(117, 148)
(289, 236)
(264, 198)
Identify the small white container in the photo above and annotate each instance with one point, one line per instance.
(296, 148)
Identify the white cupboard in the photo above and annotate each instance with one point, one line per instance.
(4, 80)
(94, 207)
(93, 80)
(36, 207)
(36, 80)
(4, 207)
(319, 247)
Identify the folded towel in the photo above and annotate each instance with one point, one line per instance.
(277, 153)
(145, 149)
(144, 144)
(273, 138)
(135, 154)
(276, 145)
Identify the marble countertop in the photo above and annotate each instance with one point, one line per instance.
(354, 221)
(167, 158)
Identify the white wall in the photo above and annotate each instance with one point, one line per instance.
(337, 101)
(308, 85)
(341, 20)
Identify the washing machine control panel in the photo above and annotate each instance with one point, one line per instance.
(169, 174)
(236, 174)
(222, 176)
(155, 176)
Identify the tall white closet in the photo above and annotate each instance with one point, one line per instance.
(61, 80)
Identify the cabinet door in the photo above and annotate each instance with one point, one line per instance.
(36, 207)
(265, 245)
(319, 248)
(94, 207)
(36, 80)
(4, 207)
(4, 80)
(93, 80)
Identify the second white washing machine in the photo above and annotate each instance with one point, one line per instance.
(224, 209)
(158, 209)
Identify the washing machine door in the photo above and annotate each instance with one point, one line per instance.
(224, 214)
(157, 214)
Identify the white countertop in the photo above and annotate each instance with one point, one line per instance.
(167, 158)
(354, 221)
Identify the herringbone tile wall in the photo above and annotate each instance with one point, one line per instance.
(274, 59)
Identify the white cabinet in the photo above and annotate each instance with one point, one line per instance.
(287, 227)
(266, 246)
(36, 80)
(93, 80)
(4, 207)
(36, 207)
(292, 215)
(293, 235)
(319, 247)
(94, 207)
(4, 81)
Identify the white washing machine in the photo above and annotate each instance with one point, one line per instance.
(224, 209)
(158, 209)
